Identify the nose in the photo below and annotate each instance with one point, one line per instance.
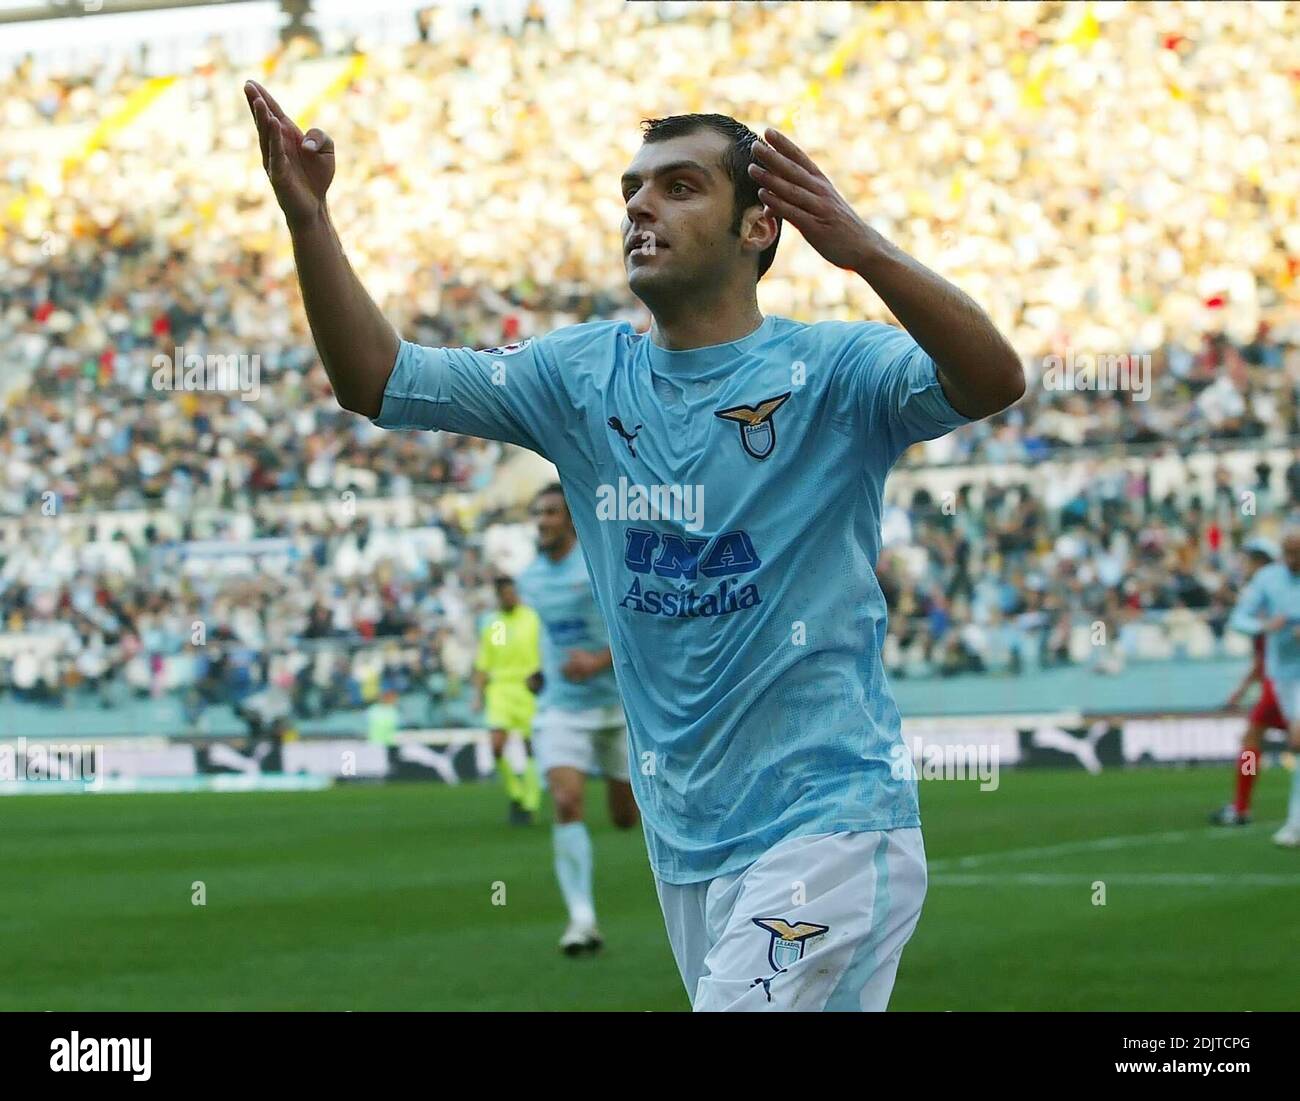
(640, 210)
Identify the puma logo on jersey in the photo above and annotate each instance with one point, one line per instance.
(628, 437)
(757, 428)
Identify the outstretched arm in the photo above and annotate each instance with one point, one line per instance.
(357, 345)
(978, 369)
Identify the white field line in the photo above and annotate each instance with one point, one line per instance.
(956, 871)
(1126, 879)
(1096, 844)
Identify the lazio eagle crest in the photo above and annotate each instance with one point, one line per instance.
(788, 941)
(757, 429)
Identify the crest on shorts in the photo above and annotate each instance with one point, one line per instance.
(757, 428)
(788, 941)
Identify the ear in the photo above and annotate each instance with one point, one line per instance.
(759, 227)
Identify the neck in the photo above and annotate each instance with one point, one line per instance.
(703, 320)
(561, 548)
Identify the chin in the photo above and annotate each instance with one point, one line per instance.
(653, 287)
(639, 277)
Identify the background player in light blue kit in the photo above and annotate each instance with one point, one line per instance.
(746, 637)
(1270, 605)
(579, 730)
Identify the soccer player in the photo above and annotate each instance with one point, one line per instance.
(508, 658)
(725, 473)
(1270, 605)
(1264, 716)
(579, 730)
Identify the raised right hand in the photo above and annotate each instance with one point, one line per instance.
(300, 166)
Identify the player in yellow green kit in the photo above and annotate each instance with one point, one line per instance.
(507, 673)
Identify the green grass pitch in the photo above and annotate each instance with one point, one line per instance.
(376, 898)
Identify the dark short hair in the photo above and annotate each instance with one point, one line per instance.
(735, 162)
(558, 490)
(502, 580)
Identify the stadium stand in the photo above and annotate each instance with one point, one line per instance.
(477, 197)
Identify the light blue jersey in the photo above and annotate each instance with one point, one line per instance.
(728, 504)
(560, 594)
(1273, 591)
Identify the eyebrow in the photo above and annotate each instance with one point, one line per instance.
(663, 170)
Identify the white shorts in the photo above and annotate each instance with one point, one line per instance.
(815, 923)
(593, 742)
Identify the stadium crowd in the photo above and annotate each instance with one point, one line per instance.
(1009, 579)
(999, 145)
(988, 578)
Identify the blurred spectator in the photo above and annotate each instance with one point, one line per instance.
(1002, 146)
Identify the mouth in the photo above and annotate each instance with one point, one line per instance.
(635, 245)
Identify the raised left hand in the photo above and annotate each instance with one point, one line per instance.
(793, 188)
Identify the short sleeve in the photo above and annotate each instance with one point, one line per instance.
(1249, 615)
(896, 388)
(509, 394)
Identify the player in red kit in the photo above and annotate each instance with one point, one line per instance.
(1264, 716)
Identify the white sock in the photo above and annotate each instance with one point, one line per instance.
(573, 863)
(1293, 804)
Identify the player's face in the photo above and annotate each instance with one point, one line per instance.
(553, 524)
(679, 206)
(1291, 553)
(507, 595)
